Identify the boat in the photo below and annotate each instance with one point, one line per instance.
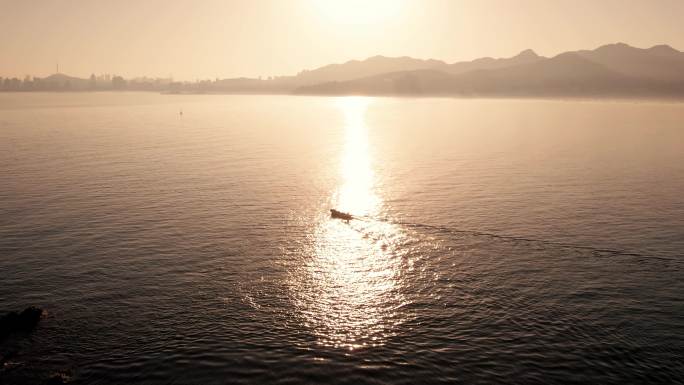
(340, 215)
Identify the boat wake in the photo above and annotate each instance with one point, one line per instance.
(596, 251)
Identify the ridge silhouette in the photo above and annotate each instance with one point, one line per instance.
(609, 70)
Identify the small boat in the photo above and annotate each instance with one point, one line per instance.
(340, 215)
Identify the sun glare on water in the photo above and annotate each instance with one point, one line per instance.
(356, 194)
(348, 290)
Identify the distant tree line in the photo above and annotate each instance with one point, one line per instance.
(60, 82)
(64, 83)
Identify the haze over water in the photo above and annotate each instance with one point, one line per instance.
(518, 241)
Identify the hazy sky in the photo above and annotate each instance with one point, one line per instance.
(225, 38)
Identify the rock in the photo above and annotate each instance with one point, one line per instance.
(25, 321)
(59, 378)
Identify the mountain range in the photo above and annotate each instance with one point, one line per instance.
(613, 70)
(610, 70)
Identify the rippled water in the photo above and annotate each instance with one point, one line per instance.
(496, 241)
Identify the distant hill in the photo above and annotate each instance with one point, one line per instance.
(400, 82)
(373, 66)
(661, 62)
(376, 65)
(567, 73)
(356, 69)
(524, 57)
(612, 70)
(65, 81)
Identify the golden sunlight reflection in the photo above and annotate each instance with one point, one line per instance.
(356, 195)
(349, 288)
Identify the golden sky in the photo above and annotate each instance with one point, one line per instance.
(193, 39)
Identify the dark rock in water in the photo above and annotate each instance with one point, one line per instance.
(25, 321)
(59, 378)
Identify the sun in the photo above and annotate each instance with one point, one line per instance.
(358, 12)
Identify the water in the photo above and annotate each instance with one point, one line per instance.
(499, 241)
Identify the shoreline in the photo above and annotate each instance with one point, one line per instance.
(578, 98)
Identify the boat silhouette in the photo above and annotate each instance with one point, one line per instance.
(340, 215)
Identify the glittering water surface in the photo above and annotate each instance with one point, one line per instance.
(495, 241)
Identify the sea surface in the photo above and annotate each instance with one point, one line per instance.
(495, 241)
